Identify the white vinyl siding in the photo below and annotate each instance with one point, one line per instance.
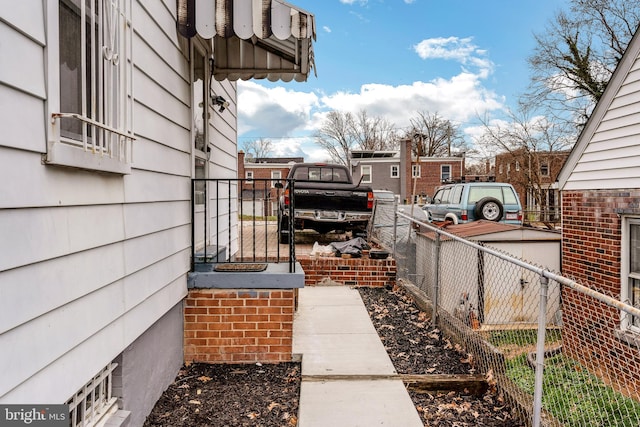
(89, 261)
(612, 151)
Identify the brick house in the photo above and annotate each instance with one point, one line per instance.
(600, 195)
(404, 174)
(543, 167)
(263, 168)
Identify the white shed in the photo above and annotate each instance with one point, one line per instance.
(499, 293)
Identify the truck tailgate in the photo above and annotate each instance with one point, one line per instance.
(320, 199)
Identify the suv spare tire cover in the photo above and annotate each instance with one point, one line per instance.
(489, 208)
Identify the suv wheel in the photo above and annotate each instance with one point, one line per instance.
(489, 208)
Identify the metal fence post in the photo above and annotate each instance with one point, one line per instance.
(395, 233)
(542, 328)
(436, 284)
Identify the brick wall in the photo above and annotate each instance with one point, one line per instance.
(238, 326)
(348, 271)
(591, 250)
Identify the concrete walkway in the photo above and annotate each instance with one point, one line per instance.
(347, 376)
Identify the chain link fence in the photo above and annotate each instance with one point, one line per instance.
(559, 352)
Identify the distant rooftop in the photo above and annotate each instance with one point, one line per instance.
(274, 159)
(371, 154)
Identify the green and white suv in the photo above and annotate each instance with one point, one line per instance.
(471, 201)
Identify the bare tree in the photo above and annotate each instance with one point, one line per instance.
(373, 133)
(434, 136)
(341, 133)
(258, 148)
(530, 139)
(576, 55)
(334, 136)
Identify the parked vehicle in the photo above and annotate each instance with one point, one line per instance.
(384, 197)
(471, 201)
(325, 199)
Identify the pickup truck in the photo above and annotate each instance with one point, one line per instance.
(325, 199)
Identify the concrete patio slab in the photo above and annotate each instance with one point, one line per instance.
(356, 404)
(334, 335)
(334, 354)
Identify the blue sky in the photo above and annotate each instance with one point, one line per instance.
(393, 58)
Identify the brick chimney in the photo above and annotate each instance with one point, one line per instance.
(241, 164)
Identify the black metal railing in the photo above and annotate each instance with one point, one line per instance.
(239, 221)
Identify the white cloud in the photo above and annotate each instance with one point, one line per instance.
(289, 118)
(275, 111)
(458, 99)
(445, 48)
(326, 29)
(457, 49)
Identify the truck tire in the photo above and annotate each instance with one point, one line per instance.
(283, 231)
(489, 208)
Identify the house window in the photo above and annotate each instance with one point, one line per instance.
(90, 87)
(415, 171)
(199, 93)
(275, 176)
(630, 291)
(445, 172)
(248, 175)
(200, 173)
(500, 168)
(395, 171)
(94, 403)
(544, 169)
(199, 111)
(517, 166)
(365, 172)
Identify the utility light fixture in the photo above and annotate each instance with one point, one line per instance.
(220, 102)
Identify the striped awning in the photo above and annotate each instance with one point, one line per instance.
(259, 39)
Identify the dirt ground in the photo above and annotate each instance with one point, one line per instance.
(267, 395)
(415, 347)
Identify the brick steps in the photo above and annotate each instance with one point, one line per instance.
(256, 325)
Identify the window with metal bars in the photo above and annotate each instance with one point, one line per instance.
(91, 86)
(94, 402)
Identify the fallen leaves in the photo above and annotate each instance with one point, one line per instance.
(230, 395)
(416, 347)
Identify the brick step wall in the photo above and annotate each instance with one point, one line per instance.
(239, 325)
(256, 325)
(348, 271)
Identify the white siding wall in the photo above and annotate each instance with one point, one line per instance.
(612, 157)
(88, 261)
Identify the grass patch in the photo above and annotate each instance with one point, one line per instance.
(523, 337)
(574, 396)
(257, 218)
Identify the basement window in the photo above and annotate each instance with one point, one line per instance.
(94, 402)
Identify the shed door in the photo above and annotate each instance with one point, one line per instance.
(511, 293)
